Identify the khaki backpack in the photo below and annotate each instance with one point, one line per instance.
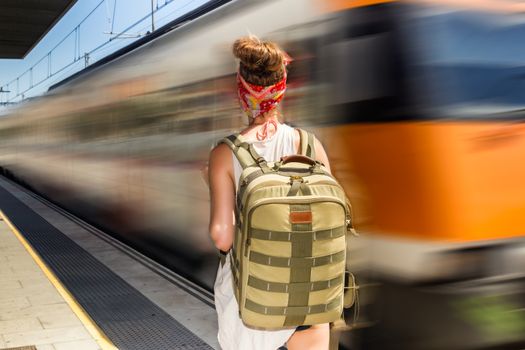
(289, 252)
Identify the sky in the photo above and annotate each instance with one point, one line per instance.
(93, 31)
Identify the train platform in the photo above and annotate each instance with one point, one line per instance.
(66, 285)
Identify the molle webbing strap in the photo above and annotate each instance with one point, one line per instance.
(291, 311)
(277, 287)
(233, 261)
(278, 261)
(300, 272)
(299, 186)
(297, 235)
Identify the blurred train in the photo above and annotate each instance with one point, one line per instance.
(420, 105)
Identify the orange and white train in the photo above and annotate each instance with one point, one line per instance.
(420, 105)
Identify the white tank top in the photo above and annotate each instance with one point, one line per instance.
(279, 145)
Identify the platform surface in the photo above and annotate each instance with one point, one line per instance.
(32, 312)
(193, 315)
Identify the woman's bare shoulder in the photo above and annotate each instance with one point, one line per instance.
(220, 160)
(219, 151)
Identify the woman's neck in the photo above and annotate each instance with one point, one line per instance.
(263, 127)
(273, 115)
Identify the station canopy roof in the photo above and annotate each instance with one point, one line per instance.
(24, 22)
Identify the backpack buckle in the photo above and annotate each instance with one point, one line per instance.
(294, 178)
(350, 228)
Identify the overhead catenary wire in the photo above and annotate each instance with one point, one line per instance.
(77, 47)
(29, 70)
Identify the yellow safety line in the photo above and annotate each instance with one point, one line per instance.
(102, 340)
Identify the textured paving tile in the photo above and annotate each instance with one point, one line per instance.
(46, 298)
(8, 303)
(19, 325)
(31, 309)
(34, 311)
(8, 285)
(77, 345)
(46, 347)
(58, 319)
(46, 336)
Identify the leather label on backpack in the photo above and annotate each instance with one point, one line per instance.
(300, 217)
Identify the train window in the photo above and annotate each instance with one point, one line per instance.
(362, 69)
(473, 63)
(366, 66)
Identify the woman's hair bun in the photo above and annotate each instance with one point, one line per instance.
(257, 55)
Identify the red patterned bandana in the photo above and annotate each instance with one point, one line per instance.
(256, 99)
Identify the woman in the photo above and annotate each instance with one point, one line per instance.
(261, 84)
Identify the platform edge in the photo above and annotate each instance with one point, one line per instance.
(102, 340)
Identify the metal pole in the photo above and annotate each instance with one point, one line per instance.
(49, 64)
(77, 54)
(6, 96)
(76, 44)
(152, 18)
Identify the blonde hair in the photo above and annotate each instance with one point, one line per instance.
(262, 62)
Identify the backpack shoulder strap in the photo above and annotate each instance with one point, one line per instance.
(245, 152)
(307, 143)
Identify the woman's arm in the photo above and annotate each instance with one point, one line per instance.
(222, 196)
